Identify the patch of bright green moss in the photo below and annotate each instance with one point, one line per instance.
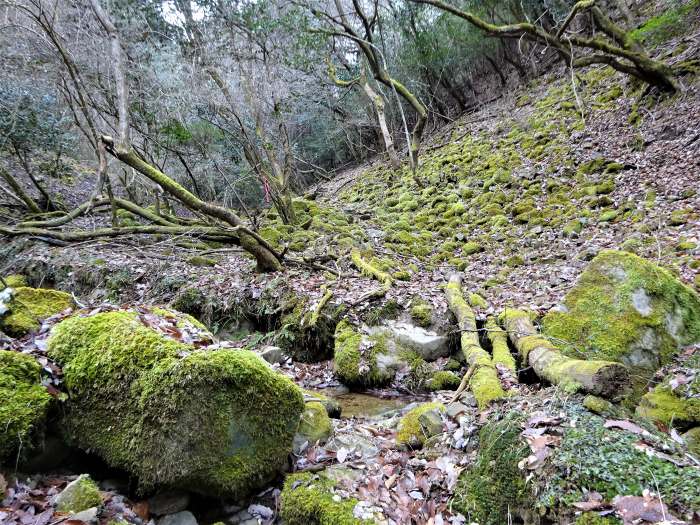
(421, 313)
(79, 495)
(24, 405)
(199, 260)
(355, 358)
(444, 380)
(315, 425)
(673, 21)
(311, 499)
(14, 281)
(664, 405)
(30, 306)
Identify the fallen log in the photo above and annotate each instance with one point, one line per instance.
(499, 345)
(601, 378)
(483, 380)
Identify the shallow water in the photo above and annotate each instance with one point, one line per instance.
(355, 404)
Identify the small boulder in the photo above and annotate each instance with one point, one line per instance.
(273, 355)
(427, 344)
(332, 406)
(314, 426)
(419, 424)
(25, 308)
(627, 309)
(80, 494)
(168, 502)
(86, 516)
(366, 360)
(179, 518)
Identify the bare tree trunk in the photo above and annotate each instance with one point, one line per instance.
(16, 187)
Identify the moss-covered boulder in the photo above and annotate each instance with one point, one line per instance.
(626, 309)
(23, 309)
(363, 360)
(79, 495)
(583, 455)
(320, 499)
(24, 403)
(314, 426)
(332, 406)
(172, 413)
(420, 424)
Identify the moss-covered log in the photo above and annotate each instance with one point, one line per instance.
(220, 422)
(499, 345)
(484, 382)
(602, 378)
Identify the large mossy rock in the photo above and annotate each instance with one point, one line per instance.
(24, 403)
(626, 309)
(23, 309)
(219, 421)
(588, 457)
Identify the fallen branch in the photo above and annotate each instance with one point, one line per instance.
(499, 345)
(367, 269)
(484, 384)
(602, 378)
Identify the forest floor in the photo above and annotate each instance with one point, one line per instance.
(518, 197)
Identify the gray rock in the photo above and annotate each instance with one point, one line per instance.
(456, 409)
(273, 355)
(431, 422)
(179, 518)
(86, 516)
(428, 344)
(168, 502)
(360, 445)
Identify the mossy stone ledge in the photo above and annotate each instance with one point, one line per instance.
(220, 421)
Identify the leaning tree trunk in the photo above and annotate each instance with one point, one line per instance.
(602, 378)
(484, 381)
(16, 187)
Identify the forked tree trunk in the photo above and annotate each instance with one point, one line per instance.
(484, 381)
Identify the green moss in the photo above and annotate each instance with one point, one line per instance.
(692, 440)
(493, 489)
(679, 217)
(609, 462)
(80, 495)
(684, 246)
(602, 321)
(476, 301)
(24, 405)
(593, 518)
(514, 260)
(332, 406)
(664, 405)
(669, 23)
(422, 313)
(199, 260)
(14, 281)
(499, 345)
(311, 499)
(217, 421)
(410, 431)
(388, 310)
(573, 228)
(471, 248)
(315, 425)
(609, 216)
(355, 361)
(29, 306)
(443, 380)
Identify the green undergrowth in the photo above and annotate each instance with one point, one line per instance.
(480, 186)
(671, 22)
(590, 457)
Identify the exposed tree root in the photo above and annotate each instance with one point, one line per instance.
(602, 378)
(484, 383)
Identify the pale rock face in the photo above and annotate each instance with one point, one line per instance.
(642, 302)
(428, 344)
